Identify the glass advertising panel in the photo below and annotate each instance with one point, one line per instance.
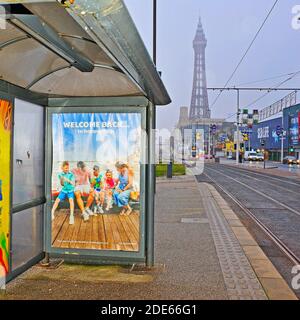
(96, 181)
(294, 129)
(5, 145)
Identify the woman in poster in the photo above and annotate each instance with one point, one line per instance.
(123, 188)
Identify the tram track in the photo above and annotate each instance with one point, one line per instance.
(248, 175)
(256, 191)
(262, 226)
(281, 179)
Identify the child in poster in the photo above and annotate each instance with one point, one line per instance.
(97, 185)
(109, 185)
(67, 181)
(123, 188)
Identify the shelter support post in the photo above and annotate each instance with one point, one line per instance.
(150, 187)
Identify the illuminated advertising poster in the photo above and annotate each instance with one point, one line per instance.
(5, 138)
(294, 130)
(96, 181)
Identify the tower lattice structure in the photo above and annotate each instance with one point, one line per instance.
(199, 104)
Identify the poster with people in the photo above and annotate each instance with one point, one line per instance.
(5, 145)
(96, 181)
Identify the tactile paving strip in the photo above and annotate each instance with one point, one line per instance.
(240, 279)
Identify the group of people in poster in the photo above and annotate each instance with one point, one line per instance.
(101, 189)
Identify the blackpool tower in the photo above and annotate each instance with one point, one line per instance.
(199, 105)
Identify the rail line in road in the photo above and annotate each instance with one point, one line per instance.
(257, 191)
(264, 181)
(282, 246)
(282, 179)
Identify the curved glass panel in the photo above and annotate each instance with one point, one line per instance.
(57, 17)
(10, 33)
(89, 50)
(100, 82)
(25, 61)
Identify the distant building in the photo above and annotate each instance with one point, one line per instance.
(265, 132)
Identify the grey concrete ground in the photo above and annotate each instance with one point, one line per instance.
(187, 248)
(187, 265)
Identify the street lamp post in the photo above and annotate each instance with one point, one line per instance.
(151, 166)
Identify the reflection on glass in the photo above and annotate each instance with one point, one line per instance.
(26, 236)
(28, 176)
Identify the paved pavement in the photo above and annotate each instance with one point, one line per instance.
(202, 252)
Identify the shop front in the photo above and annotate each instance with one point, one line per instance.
(78, 92)
(265, 136)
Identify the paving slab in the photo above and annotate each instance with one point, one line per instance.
(254, 253)
(277, 289)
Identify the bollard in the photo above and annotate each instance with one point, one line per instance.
(170, 170)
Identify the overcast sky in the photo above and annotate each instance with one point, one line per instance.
(229, 25)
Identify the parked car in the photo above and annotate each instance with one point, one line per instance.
(251, 156)
(290, 160)
(260, 157)
(254, 156)
(247, 153)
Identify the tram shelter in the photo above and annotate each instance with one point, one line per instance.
(78, 89)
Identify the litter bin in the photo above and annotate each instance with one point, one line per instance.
(217, 160)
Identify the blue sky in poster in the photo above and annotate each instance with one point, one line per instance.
(96, 137)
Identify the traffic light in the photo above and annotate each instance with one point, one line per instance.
(292, 149)
(194, 153)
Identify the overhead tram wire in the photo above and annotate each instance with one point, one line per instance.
(276, 87)
(246, 52)
(266, 79)
(234, 114)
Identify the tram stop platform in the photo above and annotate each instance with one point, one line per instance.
(202, 252)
